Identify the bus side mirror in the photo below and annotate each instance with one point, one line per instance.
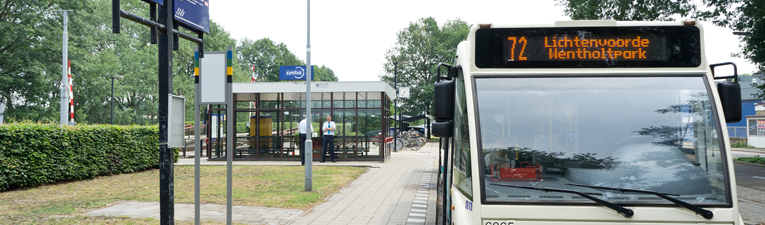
(730, 99)
(443, 129)
(730, 93)
(443, 100)
(443, 108)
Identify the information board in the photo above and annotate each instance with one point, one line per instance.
(176, 119)
(212, 78)
(193, 14)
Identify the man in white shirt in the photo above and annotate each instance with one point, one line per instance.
(328, 143)
(303, 127)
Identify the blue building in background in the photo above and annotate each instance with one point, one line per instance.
(738, 130)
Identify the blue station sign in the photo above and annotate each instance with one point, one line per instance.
(160, 2)
(294, 72)
(194, 14)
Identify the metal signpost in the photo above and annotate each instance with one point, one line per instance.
(197, 143)
(294, 72)
(210, 89)
(230, 133)
(168, 38)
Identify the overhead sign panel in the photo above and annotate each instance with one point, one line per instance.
(294, 72)
(160, 2)
(194, 14)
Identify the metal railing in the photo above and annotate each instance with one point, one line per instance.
(737, 132)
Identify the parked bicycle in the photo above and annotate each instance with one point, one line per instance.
(409, 139)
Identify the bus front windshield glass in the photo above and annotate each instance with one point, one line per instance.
(646, 133)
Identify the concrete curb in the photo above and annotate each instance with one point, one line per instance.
(748, 163)
(752, 150)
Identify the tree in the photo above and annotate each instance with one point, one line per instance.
(423, 45)
(97, 54)
(627, 9)
(324, 73)
(130, 55)
(30, 62)
(30, 57)
(267, 57)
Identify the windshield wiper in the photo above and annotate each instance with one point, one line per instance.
(619, 209)
(700, 211)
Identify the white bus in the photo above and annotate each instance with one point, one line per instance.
(586, 122)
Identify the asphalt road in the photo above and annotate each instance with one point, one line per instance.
(750, 181)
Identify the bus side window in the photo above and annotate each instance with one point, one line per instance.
(462, 165)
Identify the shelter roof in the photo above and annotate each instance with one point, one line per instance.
(319, 87)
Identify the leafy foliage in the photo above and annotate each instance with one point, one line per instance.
(742, 144)
(267, 57)
(423, 45)
(30, 56)
(34, 154)
(627, 9)
(756, 159)
(31, 53)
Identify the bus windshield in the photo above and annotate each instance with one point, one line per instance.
(647, 133)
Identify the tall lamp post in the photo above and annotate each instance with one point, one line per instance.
(2, 110)
(395, 102)
(113, 77)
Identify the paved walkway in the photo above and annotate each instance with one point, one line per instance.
(399, 191)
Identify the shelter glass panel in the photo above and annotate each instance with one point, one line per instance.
(267, 125)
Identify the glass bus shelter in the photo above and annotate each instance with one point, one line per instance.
(267, 117)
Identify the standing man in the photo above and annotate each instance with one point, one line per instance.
(328, 143)
(303, 127)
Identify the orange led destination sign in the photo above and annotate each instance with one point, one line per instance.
(565, 48)
(588, 47)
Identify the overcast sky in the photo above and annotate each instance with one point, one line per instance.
(351, 37)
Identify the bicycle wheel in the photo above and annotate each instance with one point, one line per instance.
(416, 147)
(400, 144)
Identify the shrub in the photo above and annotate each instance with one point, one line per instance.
(756, 159)
(741, 145)
(33, 154)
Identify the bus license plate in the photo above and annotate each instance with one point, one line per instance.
(498, 222)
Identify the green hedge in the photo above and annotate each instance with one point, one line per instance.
(756, 159)
(34, 154)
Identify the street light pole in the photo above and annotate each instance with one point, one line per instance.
(65, 58)
(395, 103)
(112, 112)
(308, 136)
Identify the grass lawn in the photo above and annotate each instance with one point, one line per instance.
(269, 186)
